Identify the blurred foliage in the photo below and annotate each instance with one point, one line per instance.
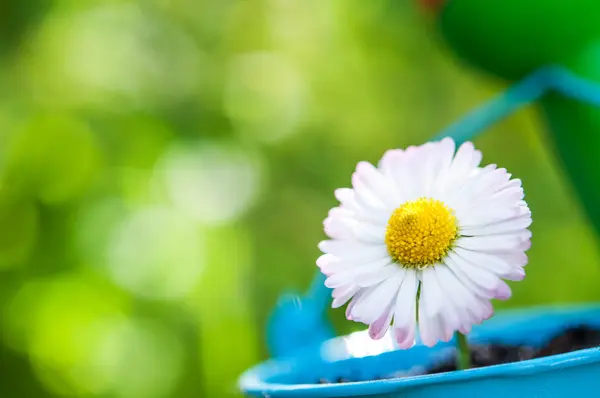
(165, 167)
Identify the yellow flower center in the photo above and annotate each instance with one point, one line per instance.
(420, 233)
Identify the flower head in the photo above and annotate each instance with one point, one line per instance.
(427, 235)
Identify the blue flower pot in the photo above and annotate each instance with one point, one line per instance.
(356, 357)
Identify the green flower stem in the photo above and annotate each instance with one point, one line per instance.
(463, 355)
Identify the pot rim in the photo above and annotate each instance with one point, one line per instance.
(253, 380)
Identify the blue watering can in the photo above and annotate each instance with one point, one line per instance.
(306, 351)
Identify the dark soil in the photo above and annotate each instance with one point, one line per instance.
(572, 339)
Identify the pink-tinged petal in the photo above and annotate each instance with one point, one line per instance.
(375, 300)
(516, 274)
(503, 291)
(465, 329)
(409, 340)
(406, 311)
(489, 310)
(524, 246)
(379, 328)
(352, 303)
(517, 260)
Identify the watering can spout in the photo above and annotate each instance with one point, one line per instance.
(299, 320)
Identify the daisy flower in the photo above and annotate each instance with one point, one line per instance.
(425, 238)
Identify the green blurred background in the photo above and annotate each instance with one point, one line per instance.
(165, 167)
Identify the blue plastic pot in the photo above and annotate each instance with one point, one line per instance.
(358, 358)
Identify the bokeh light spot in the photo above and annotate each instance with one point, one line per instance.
(265, 96)
(213, 183)
(54, 157)
(48, 319)
(156, 252)
(132, 359)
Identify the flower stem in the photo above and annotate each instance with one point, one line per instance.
(463, 355)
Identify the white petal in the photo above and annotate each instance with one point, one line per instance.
(362, 275)
(365, 197)
(378, 184)
(457, 296)
(340, 279)
(435, 294)
(338, 227)
(472, 309)
(446, 312)
(402, 172)
(379, 218)
(369, 233)
(424, 164)
(347, 199)
(495, 263)
(343, 294)
(389, 161)
(515, 259)
(393, 167)
(501, 227)
(480, 280)
(405, 311)
(491, 243)
(489, 262)
(378, 276)
(446, 153)
(329, 264)
(375, 300)
(353, 251)
(464, 161)
(429, 326)
(424, 168)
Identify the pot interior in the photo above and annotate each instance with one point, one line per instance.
(355, 357)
